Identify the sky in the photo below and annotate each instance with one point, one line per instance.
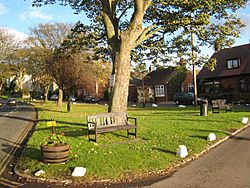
(19, 15)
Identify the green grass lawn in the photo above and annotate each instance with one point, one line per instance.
(116, 157)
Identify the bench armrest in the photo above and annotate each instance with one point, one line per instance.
(91, 124)
(135, 119)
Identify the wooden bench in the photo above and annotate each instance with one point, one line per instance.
(109, 122)
(221, 104)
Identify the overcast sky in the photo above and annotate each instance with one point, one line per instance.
(19, 16)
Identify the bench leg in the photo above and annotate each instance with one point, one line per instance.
(131, 133)
(95, 137)
(89, 135)
(215, 110)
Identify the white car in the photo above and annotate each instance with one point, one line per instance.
(11, 102)
(72, 98)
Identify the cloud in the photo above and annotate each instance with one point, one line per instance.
(3, 9)
(18, 35)
(35, 14)
(246, 20)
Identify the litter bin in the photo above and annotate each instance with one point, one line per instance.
(203, 107)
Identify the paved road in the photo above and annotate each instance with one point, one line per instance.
(15, 121)
(228, 165)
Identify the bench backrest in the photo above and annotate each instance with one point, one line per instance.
(215, 103)
(219, 103)
(117, 118)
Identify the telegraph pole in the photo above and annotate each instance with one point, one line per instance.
(194, 68)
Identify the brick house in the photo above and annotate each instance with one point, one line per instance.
(133, 93)
(231, 77)
(158, 85)
(187, 85)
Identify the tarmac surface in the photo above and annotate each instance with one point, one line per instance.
(15, 123)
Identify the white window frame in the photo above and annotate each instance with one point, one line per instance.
(160, 91)
(190, 87)
(233, 63)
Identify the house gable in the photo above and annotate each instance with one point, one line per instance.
(227, 58)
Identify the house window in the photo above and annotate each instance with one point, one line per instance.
(212, 87)
(243, 85)
(216, 87)
(208, 87)
(233, 63)
(159, 91)
(190, 87)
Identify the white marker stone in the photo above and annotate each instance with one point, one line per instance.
(182, 151)
(211, 137)
(182, 106)
(154, 105)
(244, 120)
(39, 173)
(79, 172)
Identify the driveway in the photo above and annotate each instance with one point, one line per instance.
(227, 165)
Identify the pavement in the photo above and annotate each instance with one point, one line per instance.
(227, 165)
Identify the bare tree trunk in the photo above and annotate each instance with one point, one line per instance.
(119, 98)
(60, 97)
(143, 94)
(121, 44)
(46, 91)
(1, 88)
(68, 105)
(96, 87)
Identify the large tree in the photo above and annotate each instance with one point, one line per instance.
(8, 45)
(44, 39)
(128, 23)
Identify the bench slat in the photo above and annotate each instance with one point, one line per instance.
(115, 128)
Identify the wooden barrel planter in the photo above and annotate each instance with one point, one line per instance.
(55, 154)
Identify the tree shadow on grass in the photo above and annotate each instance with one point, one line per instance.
(51, 110)
(212, 131)
(33, 153)
(69, 131)
(199, 120)
(64, 122)
(200, 137)
(165, 151)
(77, 133)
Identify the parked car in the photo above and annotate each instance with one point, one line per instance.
(11, 102)
(54, 97)
(91, 99)
(72, 98)
(185, 98)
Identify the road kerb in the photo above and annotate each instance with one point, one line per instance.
(196, 156)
